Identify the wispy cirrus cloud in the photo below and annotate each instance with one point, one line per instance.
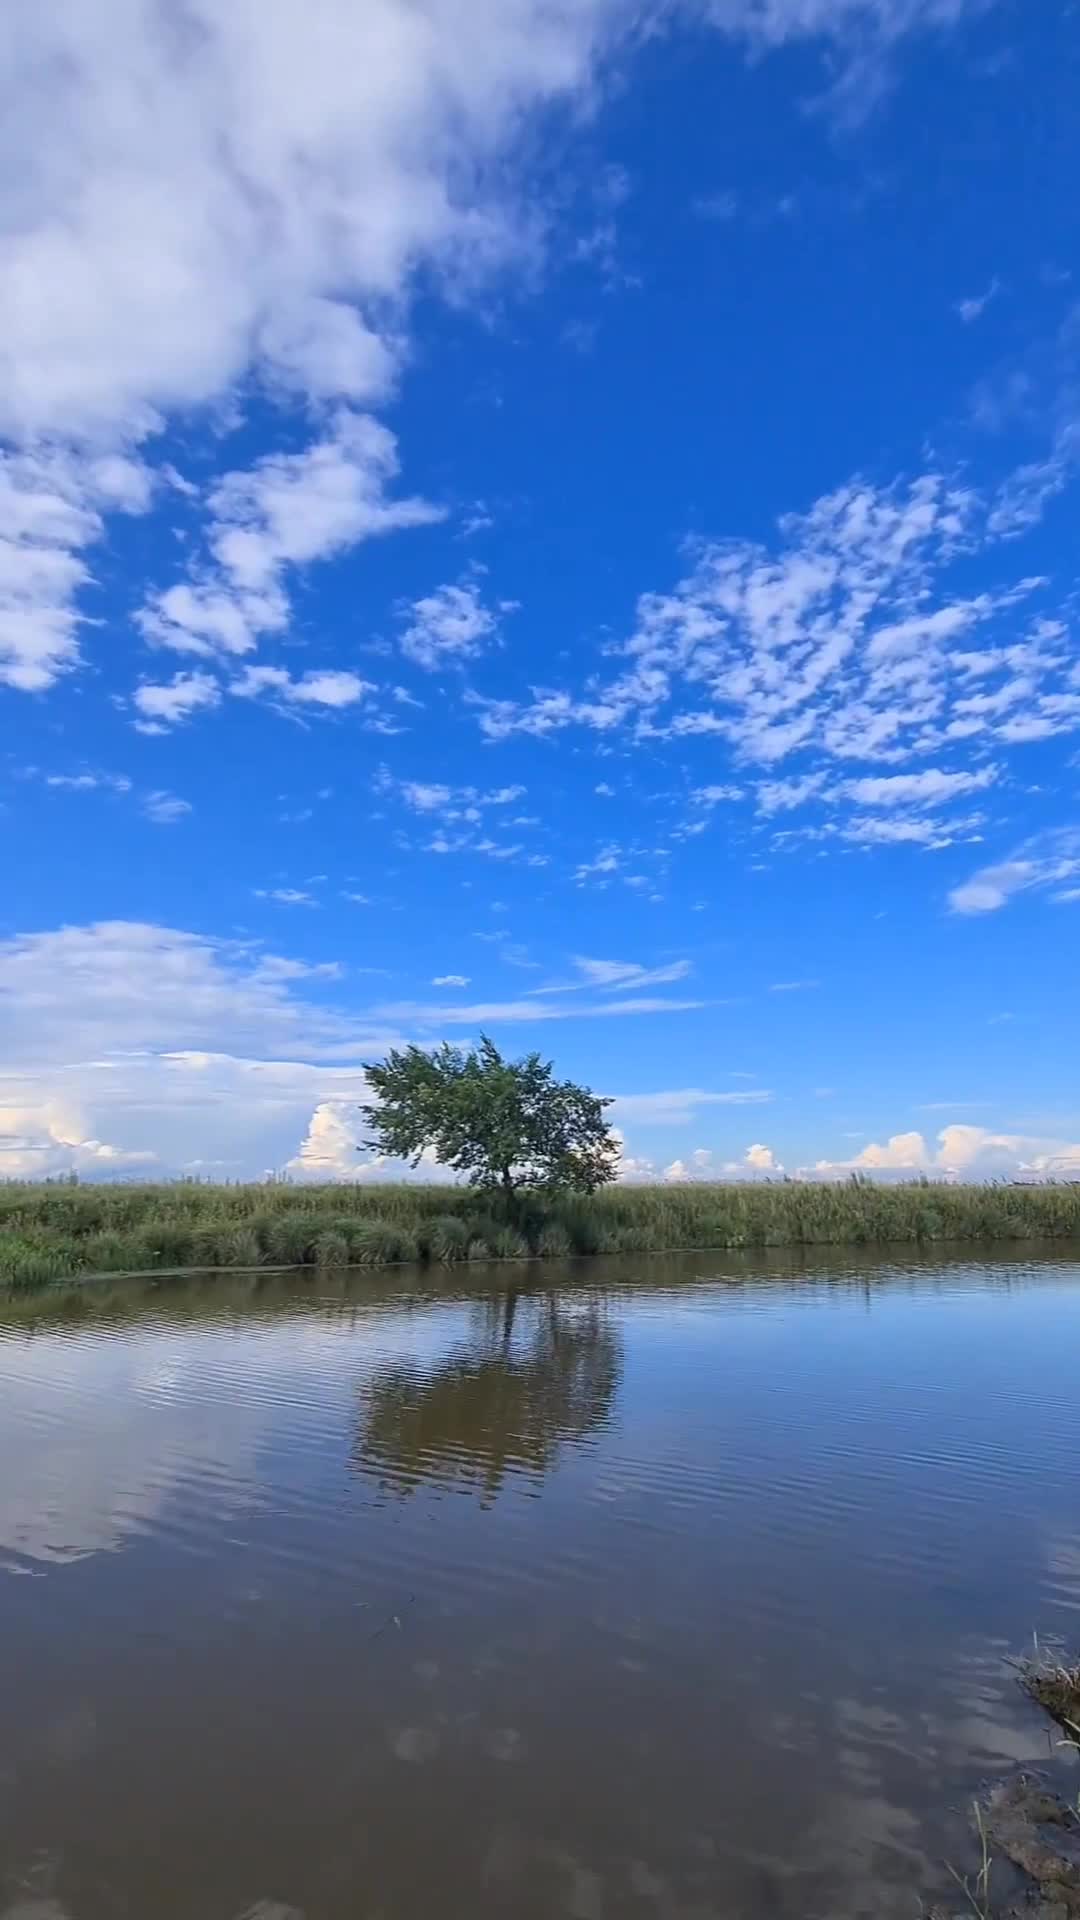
(524, 1012)
(680, 1107)
(618, 976)
(1044, 864)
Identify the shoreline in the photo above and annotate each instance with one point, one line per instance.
(70, 1233)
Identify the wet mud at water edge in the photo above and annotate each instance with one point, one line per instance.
(679, 1587)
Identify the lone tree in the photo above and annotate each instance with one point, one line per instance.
(506, 1123)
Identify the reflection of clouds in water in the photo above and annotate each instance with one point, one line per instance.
(91, 1462)
(1063, 1577)
(100, 1427)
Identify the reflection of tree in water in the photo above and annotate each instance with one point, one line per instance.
(538, 1374)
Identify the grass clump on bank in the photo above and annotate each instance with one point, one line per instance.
(55, 1231)
(1055, 1685)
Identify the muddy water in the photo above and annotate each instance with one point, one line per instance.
(675, 1589)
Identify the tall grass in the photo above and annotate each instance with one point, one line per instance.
(54, 1231)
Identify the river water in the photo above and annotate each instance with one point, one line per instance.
(675, 1588)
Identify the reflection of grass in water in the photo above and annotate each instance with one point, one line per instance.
(53, 1231)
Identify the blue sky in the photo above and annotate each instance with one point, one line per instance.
(562, 527)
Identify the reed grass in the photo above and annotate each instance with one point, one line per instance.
(58, 1230)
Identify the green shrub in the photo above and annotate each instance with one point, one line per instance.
(286, 1240)
(237, 1247)
(553, 1242)
(506, 1243)
(24, 1265)
(445, 1238)
(111, 1253)
(331, 1249)
(381, 1243)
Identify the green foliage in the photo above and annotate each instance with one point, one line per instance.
(506, 1124)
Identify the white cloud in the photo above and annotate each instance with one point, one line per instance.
(52, 506)
(762, 1159)
(286, 896)
(1047, 861)
(125, 1040)
(976, 304)
(451, 980)
(782, 796)
(166, 704)
(88, 782)
(867, 829)
(631, 1166)
(164, 809)
(758, 1163)
(929, 788)
(793, 986)
(455, 805)
(607, 862)
(618, 976)
(202, 201)
(964, 1152)
(286, 511)
(841, 640)
(519, 1012)
(451, 624)
(334, 1148)
(712, 796)
(679, 1107)
(328, 688)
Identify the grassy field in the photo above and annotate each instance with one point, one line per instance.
(56, 1231)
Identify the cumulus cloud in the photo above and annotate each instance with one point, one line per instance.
(329, 688)
(286, 511)
(52, 507)
(761, 1159)
(203, 200)
(164, 704)
(1045, 863)
(757, 1163)
(128, 1046)
(965, 1152)
(451, 980)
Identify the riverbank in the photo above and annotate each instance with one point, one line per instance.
(59, 1231)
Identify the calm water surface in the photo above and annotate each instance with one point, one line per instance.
(675, 1589)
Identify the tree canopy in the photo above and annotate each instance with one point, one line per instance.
(505, 1123)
